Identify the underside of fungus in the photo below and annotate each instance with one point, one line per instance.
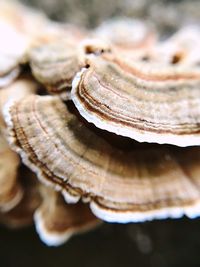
(123, 186)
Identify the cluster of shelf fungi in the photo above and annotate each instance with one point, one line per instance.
(96, 125)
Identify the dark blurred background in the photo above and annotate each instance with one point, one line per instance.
(155, 244)
(158, 243)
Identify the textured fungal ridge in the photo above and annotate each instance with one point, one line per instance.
(121, 186)
(96, 125)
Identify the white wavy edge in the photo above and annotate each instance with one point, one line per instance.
(57, 239)
(109, 215)
(182, 141)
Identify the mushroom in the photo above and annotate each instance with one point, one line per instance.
(140, 184)
(56, 221)
(146, 102)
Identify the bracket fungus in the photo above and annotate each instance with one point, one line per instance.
(55, 64)
(108, 121)
(138, 185)
(56, 221)
(149, 103)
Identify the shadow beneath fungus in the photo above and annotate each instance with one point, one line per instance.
(120, 142)
(159, 243)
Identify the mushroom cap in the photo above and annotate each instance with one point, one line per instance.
(122, 186)
(146, 102)
(56, 221)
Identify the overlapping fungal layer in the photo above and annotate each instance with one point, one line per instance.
(56, 221)
(122, 186)
(147, 102)
(55, 64)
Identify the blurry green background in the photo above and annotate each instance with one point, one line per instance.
(158, 243)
